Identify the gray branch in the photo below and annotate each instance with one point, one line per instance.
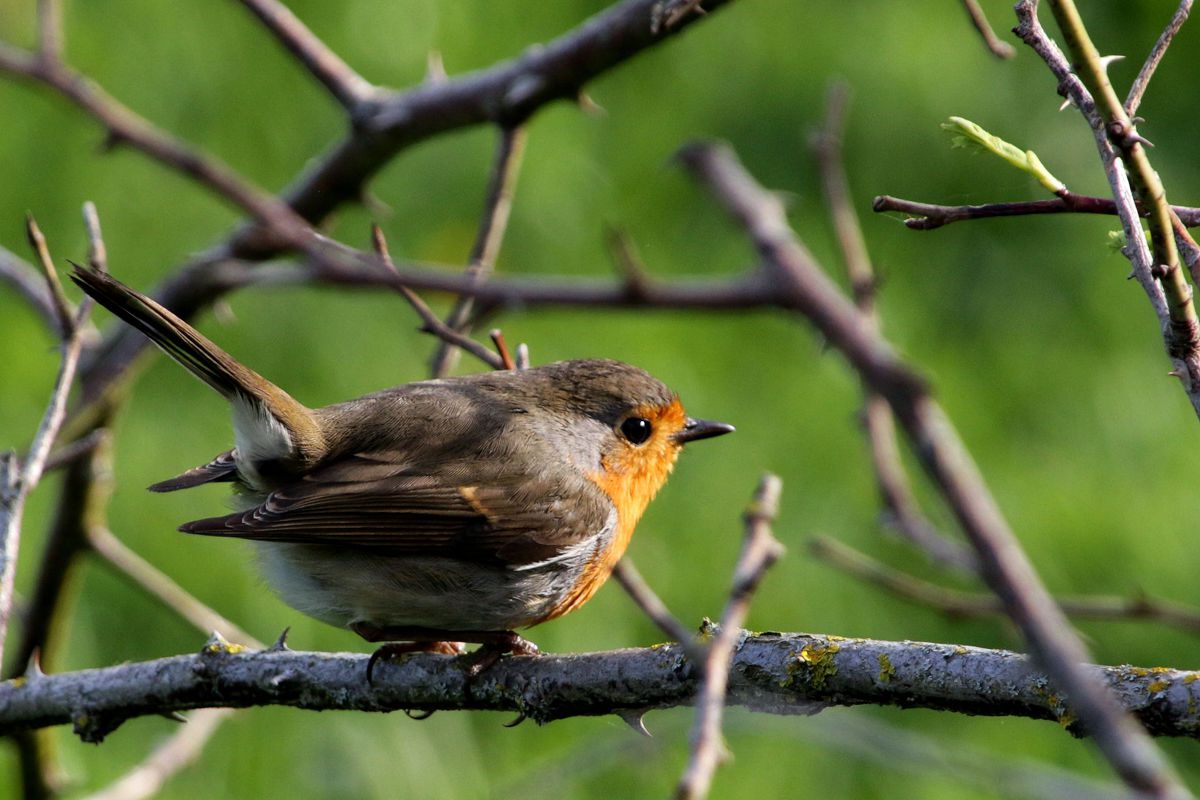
(772, 672)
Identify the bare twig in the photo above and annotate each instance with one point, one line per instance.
(97, 252)
(928, 216)
(652, 606)
(1003, 565)
(126, 127)
(17, 481)
(25, 279)
(506, 359)
(995, 45)
(69, 453)
(1134, 98)
(347, 87)
(62, 306)
(430, 323)
(50, 30)
(760, 550)
(957, 604)
(496, 209)
(157, 584)
(179, 751)
(775, 673)
(1112, 127)
(86, 487)
(902, 509)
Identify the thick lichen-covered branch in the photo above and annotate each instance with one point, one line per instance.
(771, 672)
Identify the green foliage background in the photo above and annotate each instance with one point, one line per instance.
(1048, 360)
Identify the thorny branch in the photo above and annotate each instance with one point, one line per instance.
(1157, 272)
(773, 672)
(1003, 565)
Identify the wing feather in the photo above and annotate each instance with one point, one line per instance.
(376, 501)
(221, 468)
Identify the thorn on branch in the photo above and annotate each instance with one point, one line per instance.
(280, 644)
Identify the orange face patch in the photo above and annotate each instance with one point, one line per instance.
(631, 475)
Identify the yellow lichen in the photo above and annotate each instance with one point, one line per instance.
(223, 647)
(886, 671)
(1191, 677)
(1154, 687)
(819, 660)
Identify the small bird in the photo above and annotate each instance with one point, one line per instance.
(437, 512)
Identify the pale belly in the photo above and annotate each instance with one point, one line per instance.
(343, 586)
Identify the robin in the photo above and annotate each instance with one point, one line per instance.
(436, 512)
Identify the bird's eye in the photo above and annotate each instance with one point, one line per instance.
(636, 430)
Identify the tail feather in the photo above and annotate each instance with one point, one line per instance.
(208, 362)
(198, 354)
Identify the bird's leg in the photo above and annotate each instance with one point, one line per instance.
(402, 639)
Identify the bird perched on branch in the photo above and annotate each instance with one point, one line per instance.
(436, 512)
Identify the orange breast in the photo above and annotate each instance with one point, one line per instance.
(630, 476)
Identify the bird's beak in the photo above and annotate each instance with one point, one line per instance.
(696, 429)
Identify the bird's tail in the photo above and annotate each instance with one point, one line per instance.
(204, 359)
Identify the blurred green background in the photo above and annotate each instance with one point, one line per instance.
(1048, 360)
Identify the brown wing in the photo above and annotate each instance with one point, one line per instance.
(221, 468)
(370, 500)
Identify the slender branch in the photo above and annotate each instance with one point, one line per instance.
(997, 47)
(70, 453)
(1134, 98)
(339, 267)
(957, 604)
(62, 306)
(347, 87)
(506, 359)
(928, 216)
(97, 252)
(497, 207)
(430, 323)
(1117, 128)
(760, 550)
(645, 598)
(17, 481)
(775, 673)
(1003, 565)
(126, 127)
(903, 511)
(179, 751)
(50, 30)
(24, 278)
(159, 585)
(82, 504)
